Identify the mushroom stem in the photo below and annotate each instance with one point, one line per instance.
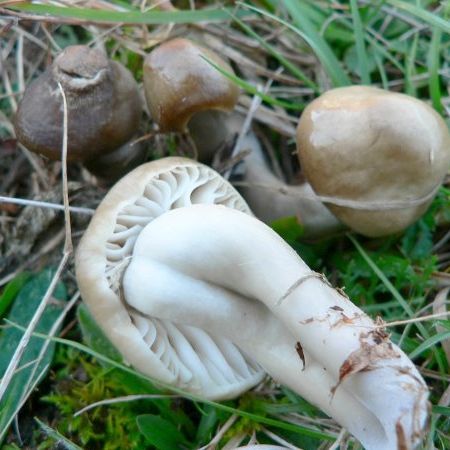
(351, 369)
(271, 199)
(213, 131)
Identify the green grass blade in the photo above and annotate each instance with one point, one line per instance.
(398, 297)
(126, 17)
(433, 67)
(380, 49)
(160, 433)
(61, 441)
(359, 41)
(33, 364)
(443, 410)
(391, 288)
(314, 40)
(429, 343)
(323, 51)
(250, 88)
(281, 59)
(382, 71)
(11, 290)
(410, 71)
(423, 14)
(299, 429)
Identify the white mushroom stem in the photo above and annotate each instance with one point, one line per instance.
(270, 198)
(225, 272)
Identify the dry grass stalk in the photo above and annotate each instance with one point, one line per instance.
(68, 247)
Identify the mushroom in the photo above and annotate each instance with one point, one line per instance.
(376, 158)
(185, 92)
(197, 293)
(271, 199)
(103, 104)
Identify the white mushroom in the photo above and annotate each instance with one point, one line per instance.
(197, 293)
(271, 198)
(174, 353)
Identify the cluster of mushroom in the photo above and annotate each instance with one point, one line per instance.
(376, 159)
(196, 292)
(373, 159)
(104, 106)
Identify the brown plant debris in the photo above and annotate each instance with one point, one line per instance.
(374, 347)
(401, 438)
(337, 308)
(301, 354)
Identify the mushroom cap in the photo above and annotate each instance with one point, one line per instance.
(79, 67)
(105, 251)
(365, 145)
(179, 82)
(103, 105)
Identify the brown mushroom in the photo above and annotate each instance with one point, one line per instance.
(184, 90)
(103, 103)
(376, 158)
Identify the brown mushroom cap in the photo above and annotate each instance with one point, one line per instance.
(103, 103)
(180, 82)
(368, 146)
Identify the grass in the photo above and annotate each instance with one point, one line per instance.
(304, 47)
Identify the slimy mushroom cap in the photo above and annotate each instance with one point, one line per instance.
(368, 146)
(179, 82)
(103, 106)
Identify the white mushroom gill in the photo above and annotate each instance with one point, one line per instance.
(176, 354)
(197, 293)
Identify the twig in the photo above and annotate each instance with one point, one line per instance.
(440, 308)
(15, 360)
(46, 249)
(280, 440)
(219, 435)
(34, 162)
(68, 246)
(39, 204)
(338, 442)
(445, 398)
(123, 399)
(414, 320)
(53, 330)
(439, 244)
(256, 102)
